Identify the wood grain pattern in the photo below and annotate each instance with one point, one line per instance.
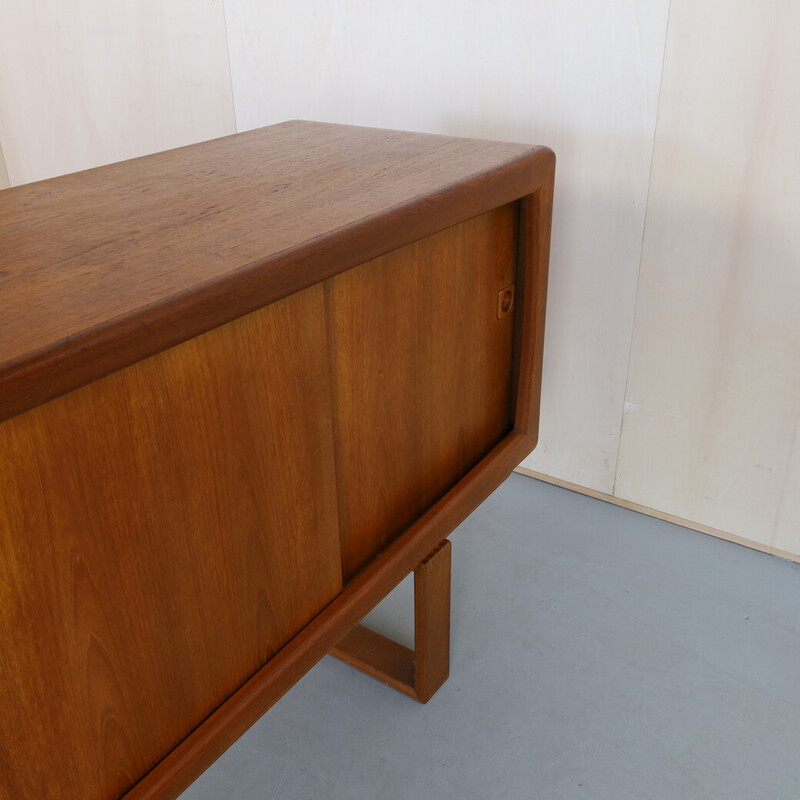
(379, 657)
(102, 268)
(160, 539)
(205, 744)
(168, 568)
(421, 374)
(432, 622)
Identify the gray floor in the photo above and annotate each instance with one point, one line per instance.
(596, 653)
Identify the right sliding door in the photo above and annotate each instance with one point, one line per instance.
(421, 366)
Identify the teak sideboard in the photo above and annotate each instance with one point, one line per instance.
(246, 387)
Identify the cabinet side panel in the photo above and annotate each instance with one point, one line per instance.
(421, 370)
(160, 539)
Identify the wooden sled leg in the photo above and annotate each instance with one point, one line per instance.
(421, 671)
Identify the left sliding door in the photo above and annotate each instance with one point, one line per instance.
(163, 532)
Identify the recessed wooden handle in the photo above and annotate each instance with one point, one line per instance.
(505, 301)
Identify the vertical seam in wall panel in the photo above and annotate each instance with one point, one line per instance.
(230, 69)
(4, 181)
(641, 250)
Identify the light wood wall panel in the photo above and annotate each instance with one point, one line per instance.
(582, 77)
(712, 422)
(86, 82)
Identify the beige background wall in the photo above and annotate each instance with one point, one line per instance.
(87, 82)
(712, 419)
(676, 127)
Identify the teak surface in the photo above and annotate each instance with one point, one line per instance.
(160, 539)
(236, 410)
(419, 672)
(101, 268)
(186, 543)
(421, 374)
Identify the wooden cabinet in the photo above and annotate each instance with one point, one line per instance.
(245, 388)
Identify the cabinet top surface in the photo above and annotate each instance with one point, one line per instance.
(133, 257)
